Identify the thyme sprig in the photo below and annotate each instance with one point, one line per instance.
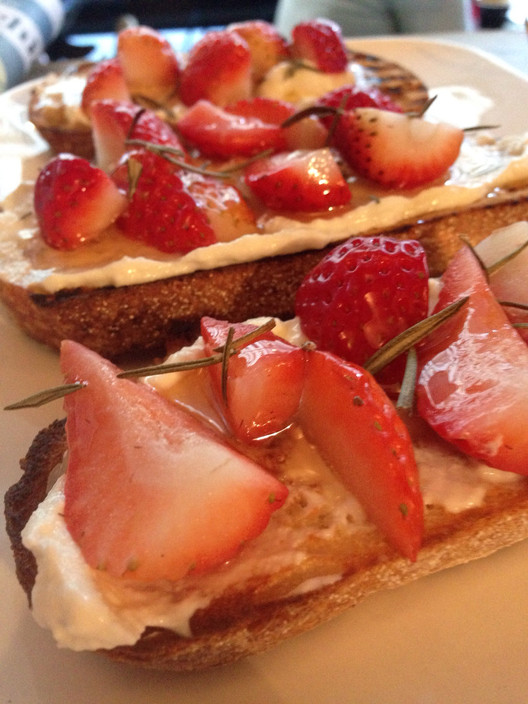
(221, 356)
(46, 396)
(501, 262)
(226, 354)
(217, 358)
(410, 337)
(408, 386)
(174, 156)
(514, 304)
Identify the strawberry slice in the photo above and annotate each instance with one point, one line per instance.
(303, 180)
(354, 425)
(320, 41)
(150, 65)
(105, 80)
(308, 133)
(74, 201)
(266, 45)
(473, 384)
(218, 69)
(361, 295)
(269, 110)
(221, 134)
(150, 492)
(350, 97)
(160, 212)
(264, 380)
(114, 121)
(396, 150)
(222, 203)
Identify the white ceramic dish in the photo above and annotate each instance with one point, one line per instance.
(458, 636)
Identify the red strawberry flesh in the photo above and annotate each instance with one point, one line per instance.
(74, 201)
(264, 381)
(358, 432)
(474, 373)
(362, 294)
(320, 41)
(150, 492)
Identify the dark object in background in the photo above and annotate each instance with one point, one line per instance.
(92, 16)
(101, 15)
(492, 15)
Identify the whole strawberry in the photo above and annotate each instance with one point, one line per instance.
(362, 294)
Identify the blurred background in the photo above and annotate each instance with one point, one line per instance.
(89, 25)
(101, 15)
(87, 16)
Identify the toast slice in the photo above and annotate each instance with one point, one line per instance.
(159, 316)
(338, 569)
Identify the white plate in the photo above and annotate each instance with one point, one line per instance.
(458, 636)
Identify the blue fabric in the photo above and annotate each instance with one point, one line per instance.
(36, 12)
(11, 63)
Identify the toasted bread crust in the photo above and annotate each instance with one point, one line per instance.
(159, 316)
(53, 122)
(224, 632)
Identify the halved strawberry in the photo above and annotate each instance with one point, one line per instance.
(224, 206)
(115, 121)
(263, 384)
(74, 201)
(354, 425)
(303, 180)
(160, 212)
(473, 384)
(105, 80)
(321, 42)
(150, 65)
(396, 150)
(150, 492)
(362, 294)
(218, 133)
(218, 69)
(266, 44)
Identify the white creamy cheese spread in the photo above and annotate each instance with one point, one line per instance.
(58, 100)
(86, 610)
(302, 85)
(483, 166)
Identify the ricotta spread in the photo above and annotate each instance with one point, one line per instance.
(484, 166)
(86, 610)
(58, 101)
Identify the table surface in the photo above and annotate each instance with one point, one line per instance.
(511, 46)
